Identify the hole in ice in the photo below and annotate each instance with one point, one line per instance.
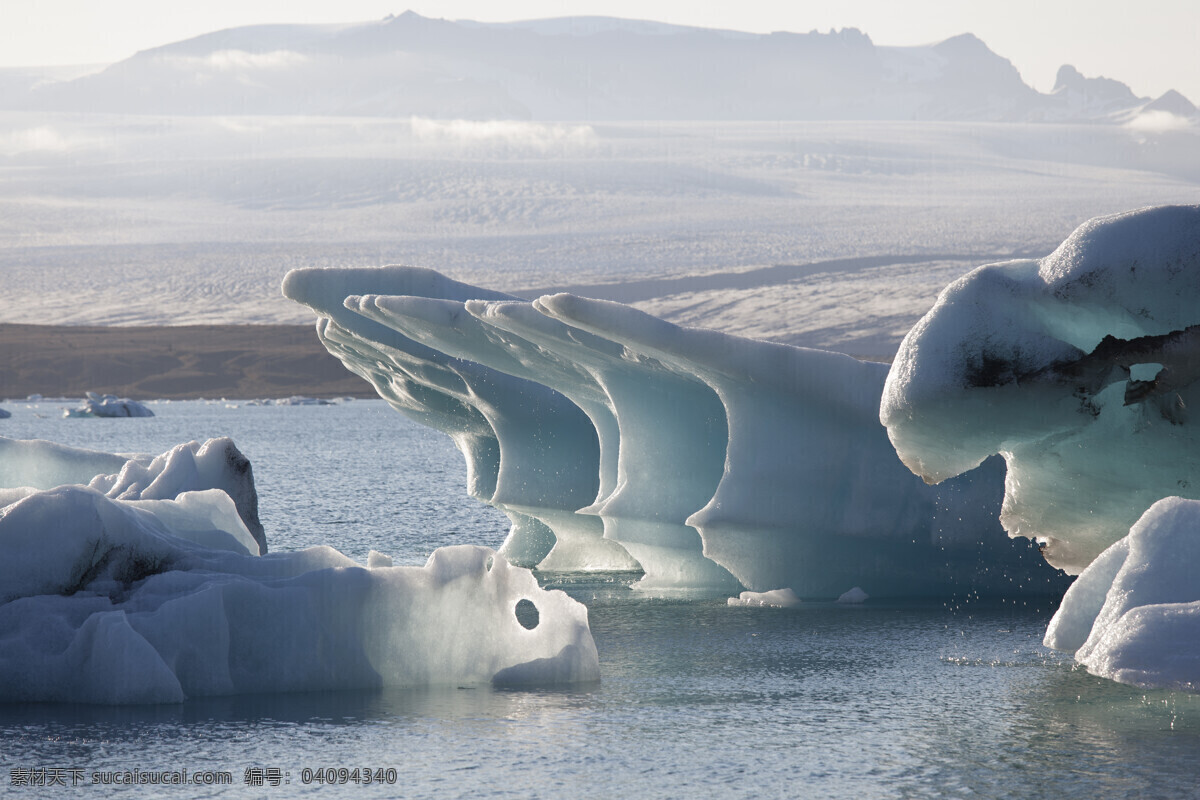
(527, 614)
(488, 566)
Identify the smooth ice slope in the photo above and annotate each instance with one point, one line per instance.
(30, 465)
(720, 460)
(1134, 614)
(1079, 368)
(101, 604)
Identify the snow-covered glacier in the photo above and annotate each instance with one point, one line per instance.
(615, 440)
(144, 588)
(1079, 368)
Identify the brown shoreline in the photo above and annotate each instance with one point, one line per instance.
(184, 362)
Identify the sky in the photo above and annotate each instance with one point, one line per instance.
(1152, 45)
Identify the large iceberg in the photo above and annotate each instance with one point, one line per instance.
(1080, 369)
(614, 439)
(1134, 614)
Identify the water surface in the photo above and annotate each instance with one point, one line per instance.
(697, 698)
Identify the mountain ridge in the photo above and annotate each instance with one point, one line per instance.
(579, 68)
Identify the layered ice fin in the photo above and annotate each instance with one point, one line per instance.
(530, 452)
(1080, 369)
(1133, 615)
(714, 460)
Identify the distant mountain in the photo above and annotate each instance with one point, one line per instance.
(577, 68)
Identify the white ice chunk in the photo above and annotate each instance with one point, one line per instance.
(1080, 369)
(1133, 615)
(208, 518)
(102, 605)
(108, 405)
(191, 467)
(776, 598)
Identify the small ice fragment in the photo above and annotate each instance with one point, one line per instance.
(853, 596)
(776, 598)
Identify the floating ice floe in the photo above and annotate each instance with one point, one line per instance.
(297, 400)
(1080, 369)
(135, 590)
(1133, 615)
(95, 405)
(613, 440)
(775, 598)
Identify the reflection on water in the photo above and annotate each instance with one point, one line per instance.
(697, 698)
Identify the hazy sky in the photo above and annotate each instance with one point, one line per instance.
(1152, 45)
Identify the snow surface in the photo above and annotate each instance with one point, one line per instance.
(135, 590)
(1133, 615)
(1039, 360)
(108, 405)
(710, 459)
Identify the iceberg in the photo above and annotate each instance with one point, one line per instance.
(102, 603)
(216, 477)
(1080, 369)
(613, 440)
(95, 405)
(141, 580)
(1133, 615)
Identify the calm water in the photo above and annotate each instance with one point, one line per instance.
(697, 699)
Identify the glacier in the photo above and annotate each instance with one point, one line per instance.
(1079, 369)
(131, 587)
(615, 440)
